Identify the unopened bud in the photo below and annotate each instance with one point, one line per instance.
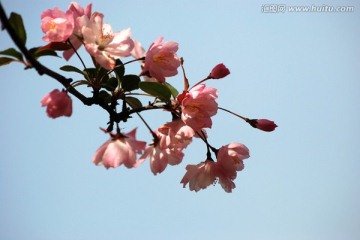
(262, 124)
(219, 71)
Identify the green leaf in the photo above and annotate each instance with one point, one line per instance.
(13, 53)
(69, 68)
(110, 84)
(133, 102)
(102, 74)
(46, 52)
(174, 91)
(90, 73)
(81, 82)
(17, 24)
(157, 90)
(130, 82)
(119, 69)
(5, 60)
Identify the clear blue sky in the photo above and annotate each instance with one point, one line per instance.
(302, 181)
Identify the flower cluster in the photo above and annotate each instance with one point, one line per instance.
(230, 161)
(191, 109)
(79, 26)
(170, 141)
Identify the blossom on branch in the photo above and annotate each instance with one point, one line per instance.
(230, 160)
(57, 25)
(198, 106)
(176, 134)
(57, 103)
(139, 52)
(161, 60)
(168, 147)
(160, 157)
(200, 176)
(119, 149)
(102, 43)
(76, 37)
(121, 94)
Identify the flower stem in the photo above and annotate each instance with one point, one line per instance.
(205, 79)
(77, 54)
(156, 138)
(201, 134)
(235, 114)
(135, 60)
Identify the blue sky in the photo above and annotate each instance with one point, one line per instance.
(301, 182)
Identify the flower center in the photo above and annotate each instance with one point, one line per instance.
(105, 37)
(52, 24)
(162, 57)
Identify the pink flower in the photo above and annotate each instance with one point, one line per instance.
(198, 106)
(226, 183)
(161, 60)
(175, 135)
(200, 176)
(78, 11)
(230, 160)
(100, 41)
(138, 51)
(219, 71)
(58, 104)
(172, 138)
(57, 25)
(262, 124)
(224, 171)
(119, 149)
(161, 154)
(76, 37)
(160, 158)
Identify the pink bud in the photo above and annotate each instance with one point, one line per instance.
(262, 124)
(219, 71)
(58, 104)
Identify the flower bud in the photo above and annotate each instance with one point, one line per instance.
(219, 71)
(58, 104)
(262, 124)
